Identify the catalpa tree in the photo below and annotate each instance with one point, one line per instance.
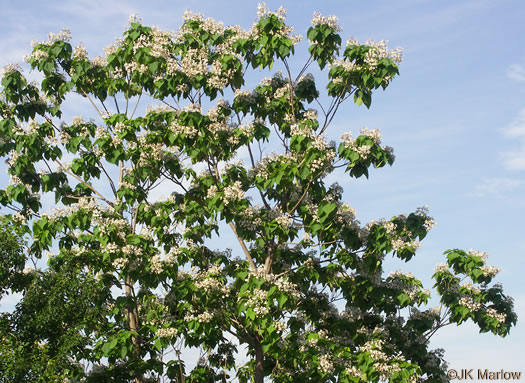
(135, 285)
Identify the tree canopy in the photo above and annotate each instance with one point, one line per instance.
(134, 284)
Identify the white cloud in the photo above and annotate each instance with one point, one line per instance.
(497, 185)
(516, 72)
(515, 159)
(517, 127)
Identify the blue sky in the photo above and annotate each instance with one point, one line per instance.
(455, 117)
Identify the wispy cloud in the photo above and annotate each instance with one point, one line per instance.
(497, 185)
(516, 72)
(517, 127)
(515, 159)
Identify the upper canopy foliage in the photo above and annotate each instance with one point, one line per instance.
(136, 280)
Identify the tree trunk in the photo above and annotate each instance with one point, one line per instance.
(133, 324)
(259, 368)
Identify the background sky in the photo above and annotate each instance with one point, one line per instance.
(455, 117)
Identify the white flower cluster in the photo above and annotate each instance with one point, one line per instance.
(80, 52)
(355, 372)
(326, 364)
(347, 215)
(134, 18)
(405, 282)
(19, 218)
(233, 192)
(500, 317)
(263, 11)
(251, 217)
(208, 281)
(86, 203)
(484, 256)
(399, 244)
(213, 113)
(431, 314)
(280, 327)
(469, 303)
(120, 263)
(374, 134)
(10, 68)
(110, 248)
(390, 227)
(99, 62)
(349, 142)
(177, 129)
(352, 314)
(168, 333)
(160, 108)
(284, 220)
(243, 94)
(401, 274)
(283, 91)
(195, 62)
(285, 31)
(490, 271)
(471, 288)
(331, 21)
(441, 268)
(64, 35)
(171, 257)
(260, 167)
(282, 282)
(156, 264)
(190, 16)
(258, 302)
(205, 317)
(380, 51)
(429, 221)
(212, 191)
(77, 120)
(326, 160)
(26, 129)
(209, 285)
(347, 65)
(126, 185)
(384, 364)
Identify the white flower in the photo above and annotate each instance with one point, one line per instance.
(480, 254)
(374, 134)
(490, 271)
(189, 16)
(469, 303)
(325, 364)
(279, 326)
(284, 220)
(169, 332)
(99, 61)
(120, 263)
(331, 21)
(263, 11)
(80, 52)
(470, 287)
(441, 268)
(10, 68)
(233, 192)
(156, 264)
(134, 18)
(500, 317)
(205, 317)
